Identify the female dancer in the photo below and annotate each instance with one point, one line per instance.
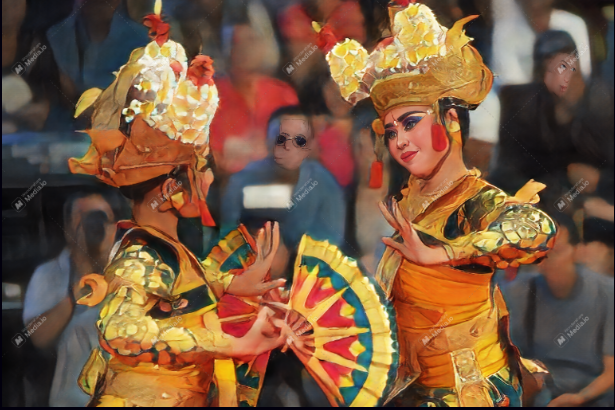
(163, 336)
(453, 228)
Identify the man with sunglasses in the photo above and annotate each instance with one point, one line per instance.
(287, 187)
(292, 143)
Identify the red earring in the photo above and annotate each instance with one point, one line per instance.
(439, 139)
(375, 175)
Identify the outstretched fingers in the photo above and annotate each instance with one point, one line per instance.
(389, 218)
(399, 218)
(274, 244)
(395, 245)
(260, 244)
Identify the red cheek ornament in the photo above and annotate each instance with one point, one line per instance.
(439, 139)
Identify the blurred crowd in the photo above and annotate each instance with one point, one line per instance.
(549, 118)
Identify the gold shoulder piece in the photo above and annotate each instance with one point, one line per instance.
(528, 194)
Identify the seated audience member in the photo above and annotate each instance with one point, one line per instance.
(346, 20)
(69, 330)
(562, 315)
(552, 123)
(24, 103)
(596, 251)
(93, 42)
(334, 147)
(517, 23)
(286, 187)
(247, 99)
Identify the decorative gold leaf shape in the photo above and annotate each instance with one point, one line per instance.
(86, 100)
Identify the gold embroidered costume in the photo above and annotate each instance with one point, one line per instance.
(162, 340)
(452, 321)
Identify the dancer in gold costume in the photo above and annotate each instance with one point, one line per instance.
(453, 228)
(163, 338)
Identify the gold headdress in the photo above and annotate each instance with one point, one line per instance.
(421, 63)
(153, 117)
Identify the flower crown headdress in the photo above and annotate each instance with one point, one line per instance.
(419, 64)
(155, 115)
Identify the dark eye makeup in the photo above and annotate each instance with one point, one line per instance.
(411, 121)
(408, 121)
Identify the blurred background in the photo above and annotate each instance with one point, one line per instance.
(266, 59)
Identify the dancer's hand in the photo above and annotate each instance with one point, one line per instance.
(295, 333)
(253, 282)
(261, 338)
(412, 248)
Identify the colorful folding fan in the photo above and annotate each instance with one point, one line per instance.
(345, 329)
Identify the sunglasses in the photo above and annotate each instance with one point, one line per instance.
(299, 141)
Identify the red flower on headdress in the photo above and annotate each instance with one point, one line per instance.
(403, 3)
(201, 70)
(158, 29)
(326, 39)
(384, 43)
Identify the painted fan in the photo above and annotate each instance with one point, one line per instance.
(344, 330)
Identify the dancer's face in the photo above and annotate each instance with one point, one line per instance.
(408, 134)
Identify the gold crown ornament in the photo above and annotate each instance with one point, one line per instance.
(419, 64)
(153, 117)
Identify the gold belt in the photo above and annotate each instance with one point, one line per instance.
(435, 352)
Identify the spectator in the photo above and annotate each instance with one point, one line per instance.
(596, 251)
(201, 26)
(307, 64)
(343, 16)
(286, 187)
(334, 148)
(517, 24)
(554, 122)
(564, 318)
(22, 108)
(93, 42)
(69, 329)
(247, 100)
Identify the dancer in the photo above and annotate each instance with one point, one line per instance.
(163, 342)
(453, 228)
